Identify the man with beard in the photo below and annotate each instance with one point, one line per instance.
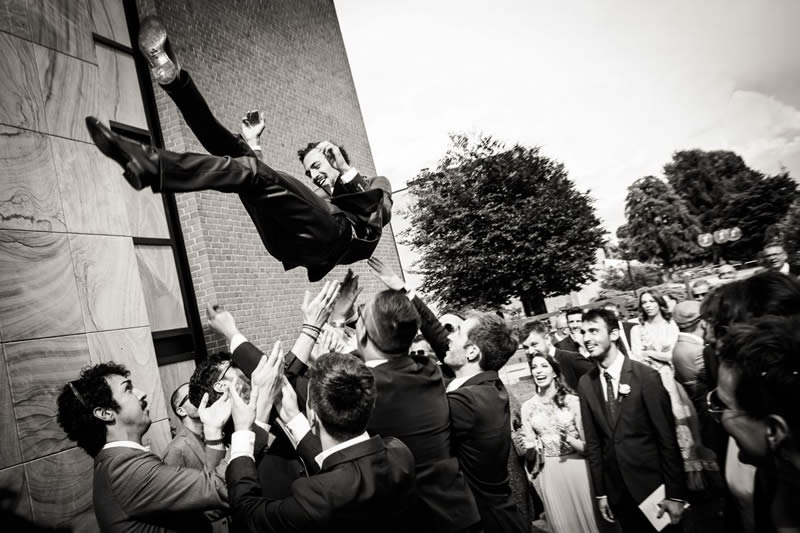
(630, 431)
(133, 489)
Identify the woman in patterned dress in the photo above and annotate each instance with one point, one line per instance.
(551, 422)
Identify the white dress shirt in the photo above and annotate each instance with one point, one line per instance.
(320, 458)
(456, 383)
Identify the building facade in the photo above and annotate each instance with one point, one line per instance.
(91, 270)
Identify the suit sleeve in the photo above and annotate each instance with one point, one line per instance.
(257, 513)
(246, 356)
(462, 413)
(659, 410)
(175, 455)
(146, 486)
(432, 329)
(578, 363)
(307, 450)
(593, 448)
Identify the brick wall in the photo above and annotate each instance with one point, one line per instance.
(286, 58)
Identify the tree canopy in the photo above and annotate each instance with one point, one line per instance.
(659, 227)
(721, 191)
(492, 223)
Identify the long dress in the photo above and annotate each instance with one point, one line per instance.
(563, 483)
(652, 344)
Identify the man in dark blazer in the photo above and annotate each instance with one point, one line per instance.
(536, 339)
(362, 483)
(187, 448)
(630, 431)
(480, 417)
(339, 224)
(569, 343)
(133, 490)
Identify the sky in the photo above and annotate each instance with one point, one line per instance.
(609, 88)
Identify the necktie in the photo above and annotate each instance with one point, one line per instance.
(611, 400)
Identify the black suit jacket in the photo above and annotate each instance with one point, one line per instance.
(480, 417)
(638, 451)
(568, 345)
(365, 487)
(573, 366)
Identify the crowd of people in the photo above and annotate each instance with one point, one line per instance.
(383, 417)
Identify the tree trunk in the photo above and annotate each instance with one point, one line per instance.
(533, 304)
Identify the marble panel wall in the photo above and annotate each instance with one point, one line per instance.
(70, 289)
(173, 376)
(162, 291)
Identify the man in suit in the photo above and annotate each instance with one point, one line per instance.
(133, 489)
(339, 224)
(363, 483)
(573, 342)
(561, 328)
(536, 339)
(187, 447)
(630, 431)
(480, 417)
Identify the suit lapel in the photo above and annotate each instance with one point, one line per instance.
(624, 379)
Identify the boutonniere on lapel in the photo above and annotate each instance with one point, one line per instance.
(624, 390)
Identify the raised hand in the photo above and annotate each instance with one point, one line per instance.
(317, 311)
(214, 416)
(386, 274)
(267, 377)
(287, 406)
(348, 294)
(221, 321)
(334, 156)
(244, 413)
(251, 132)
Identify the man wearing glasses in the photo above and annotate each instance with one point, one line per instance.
(187, 448)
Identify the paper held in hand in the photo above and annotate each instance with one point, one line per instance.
(651, 509)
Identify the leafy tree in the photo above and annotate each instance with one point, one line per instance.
(721, 191)
(624, 278)
(492, 224)
(788, 232)
(659, 226)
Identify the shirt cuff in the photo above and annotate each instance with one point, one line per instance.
(601, 497)
(263, 425)
(237, 341)
(348, 176)
(298, 427)
(242, 443)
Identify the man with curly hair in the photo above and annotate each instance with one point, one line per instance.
(133, 489)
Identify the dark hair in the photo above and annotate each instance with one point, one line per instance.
(76, 407)
(494, 338)
(534, 326)
(561, 388)
(395, 321)
(766, 354)
(598, 313)
(341, 390)
(174, 398)
(573, 311)
(204, 377)
(662, 305)
(303, 152)
(766, 293)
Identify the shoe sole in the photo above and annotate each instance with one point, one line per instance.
(152, 42)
